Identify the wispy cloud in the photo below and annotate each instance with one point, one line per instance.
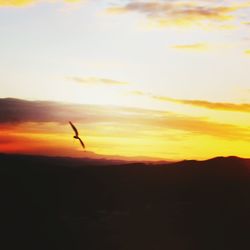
(185, 13)
(202, 126)
(246, 23)
(191, 47)
(137, 92)
(96, 81)
(16, 3)
(247, 52)
(22, 3)
(225, 106)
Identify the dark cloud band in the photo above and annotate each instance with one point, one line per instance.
(17, 111)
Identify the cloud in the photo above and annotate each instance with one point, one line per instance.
(16, 3)
(224, 106)
(205, 127)
(246, 23)
(21, 3)
(15, 111)
(244, 107)
(181, 13)
(122, 121)
(247, 52)
(96, 81)
(193, 47)
(18, 111)
(137, 92)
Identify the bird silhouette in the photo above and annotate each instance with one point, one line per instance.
(76, 136)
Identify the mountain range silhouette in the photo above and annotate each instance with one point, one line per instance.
(66, 203)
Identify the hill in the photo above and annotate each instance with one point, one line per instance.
(65, 203)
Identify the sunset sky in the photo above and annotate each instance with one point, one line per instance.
(162, 79)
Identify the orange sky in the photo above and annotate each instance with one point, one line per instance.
(42, 128)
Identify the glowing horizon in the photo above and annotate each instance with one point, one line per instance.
(40, 127)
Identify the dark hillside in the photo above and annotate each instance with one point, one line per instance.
(64, 203)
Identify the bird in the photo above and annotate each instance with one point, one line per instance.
(76, 136)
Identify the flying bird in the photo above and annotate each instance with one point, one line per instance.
(76, 136)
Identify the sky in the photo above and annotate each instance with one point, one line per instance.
(162, 79)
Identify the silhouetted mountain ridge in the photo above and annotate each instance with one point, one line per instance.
(92, 158)
(66, 203)
(78, 161)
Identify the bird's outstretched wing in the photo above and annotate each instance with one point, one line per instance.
(74, 128)
(81, 142)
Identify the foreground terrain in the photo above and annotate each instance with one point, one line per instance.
(64, 203)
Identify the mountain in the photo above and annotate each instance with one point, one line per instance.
(66, 203)
(93, 159)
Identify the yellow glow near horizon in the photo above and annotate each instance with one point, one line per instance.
(153, 145)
